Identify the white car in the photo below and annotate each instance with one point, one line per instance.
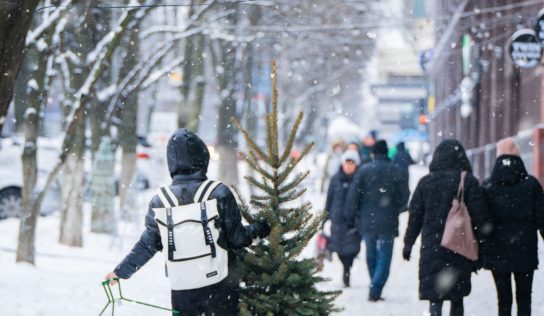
(11, 177)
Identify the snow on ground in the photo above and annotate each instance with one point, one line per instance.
(66, 280)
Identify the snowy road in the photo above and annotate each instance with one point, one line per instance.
(66, 281)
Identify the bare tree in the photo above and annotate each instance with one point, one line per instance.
(15, 19)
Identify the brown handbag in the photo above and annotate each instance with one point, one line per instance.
(458, 234)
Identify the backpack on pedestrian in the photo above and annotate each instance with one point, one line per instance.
(193, 257)
(458, 233)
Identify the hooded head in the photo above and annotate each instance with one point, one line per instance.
(186, 153)
(380, 149)
(401, 146)
(450, 155)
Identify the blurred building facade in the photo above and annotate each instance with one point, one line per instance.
(477, 94)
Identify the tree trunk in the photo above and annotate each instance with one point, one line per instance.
(71, 232)
(15, 19)
(200, 88)
(29, 215)
(129, 117)
(71, 229)
(184, 109)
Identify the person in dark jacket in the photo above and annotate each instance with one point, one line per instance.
(188, 157)
(378, 194)
(444, 275)
(344, 241)
(516, 204)
(402, 158)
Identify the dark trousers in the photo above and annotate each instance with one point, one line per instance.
(217, 299)
(524, 285)
(347, 261)
(379, 251)
(456, 309)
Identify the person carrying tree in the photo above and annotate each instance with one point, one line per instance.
(196, 223)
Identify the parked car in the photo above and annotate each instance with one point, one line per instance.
(11, 177)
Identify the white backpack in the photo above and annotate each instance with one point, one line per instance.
(189, 237)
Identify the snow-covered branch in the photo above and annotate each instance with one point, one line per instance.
(33, 36)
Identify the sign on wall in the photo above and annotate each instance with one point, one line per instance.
(525, 49)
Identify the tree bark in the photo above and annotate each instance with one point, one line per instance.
(129, 117)
(15, 19)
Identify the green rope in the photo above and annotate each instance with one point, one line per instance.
(112, 300)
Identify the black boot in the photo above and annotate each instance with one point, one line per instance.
(346, 279)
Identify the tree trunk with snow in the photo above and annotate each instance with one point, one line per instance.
(29, 215)
(15, 19)
(71, 229)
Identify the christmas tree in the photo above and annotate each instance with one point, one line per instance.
(276, 280)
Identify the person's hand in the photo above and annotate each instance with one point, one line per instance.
(406, 253)
(111, 276)
(263, 229)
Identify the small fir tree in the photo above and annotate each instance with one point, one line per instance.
(277, 281)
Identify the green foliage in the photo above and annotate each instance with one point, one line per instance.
(277, 281)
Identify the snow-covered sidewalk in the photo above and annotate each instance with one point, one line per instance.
(66, 281)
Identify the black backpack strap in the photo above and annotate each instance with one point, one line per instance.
(206, 228)
(170, 227)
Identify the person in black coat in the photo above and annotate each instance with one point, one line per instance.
(444, 275)
(344, 241)
(402, 158)
(516, 203)
(188, 158)
(378, 194)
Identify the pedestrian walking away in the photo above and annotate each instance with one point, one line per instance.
(178, 216)
(344, 241)
(402, 158)
(516, 204)
(443, 274)
(378, 194)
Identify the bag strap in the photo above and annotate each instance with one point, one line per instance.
(200, 190)
(165, 199)
(209, 191)
(205, 190)
(170, 227)
(208, 237)
(461, 190)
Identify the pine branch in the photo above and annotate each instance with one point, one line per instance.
(291, 196)
(259, 185)
(244, 208)
(251, 160)
(251, 143)
(293, 184)
(292, 136)
(293, 163)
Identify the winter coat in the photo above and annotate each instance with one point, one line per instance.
(378, 194)
(516, 205)
(343, 240)
(444, 275)
(403, 159)
(188, 158)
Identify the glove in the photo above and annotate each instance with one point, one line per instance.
(406, 253)
(261, 229)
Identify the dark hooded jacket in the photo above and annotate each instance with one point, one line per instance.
(444, 275)
(376, 197)
(343, 240)
(516, 204)
(188, 158)
(402, 158)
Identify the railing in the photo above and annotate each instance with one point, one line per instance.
(483, 158)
